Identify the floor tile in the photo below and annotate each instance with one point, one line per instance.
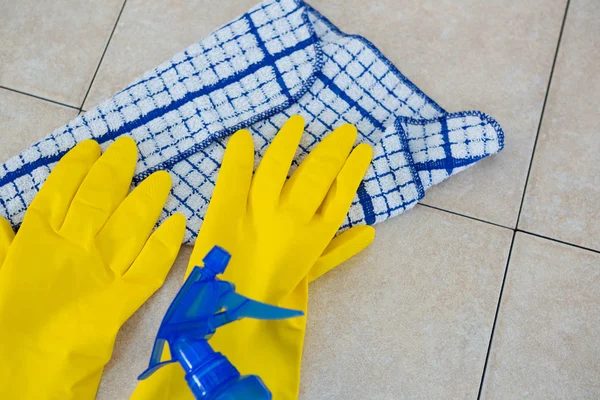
(546, 343)
(134, 343)
(411, 316)
(150, 32)
(563, 196)
(25, 119)
(494, 56)
(52, 48)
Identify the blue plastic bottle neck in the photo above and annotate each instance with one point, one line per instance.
(206, 371)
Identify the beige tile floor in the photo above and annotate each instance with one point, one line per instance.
(490, 289)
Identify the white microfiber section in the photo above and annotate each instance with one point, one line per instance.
(444, 146)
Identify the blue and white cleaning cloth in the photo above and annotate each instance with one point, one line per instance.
(279, 59)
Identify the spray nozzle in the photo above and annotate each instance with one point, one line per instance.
(203, 304)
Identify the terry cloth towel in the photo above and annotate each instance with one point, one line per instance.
(281, 58)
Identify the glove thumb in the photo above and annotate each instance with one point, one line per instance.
(343, 247)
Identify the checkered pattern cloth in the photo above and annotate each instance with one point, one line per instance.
(281, 58)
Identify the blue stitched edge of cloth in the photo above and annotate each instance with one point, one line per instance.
(279, 59)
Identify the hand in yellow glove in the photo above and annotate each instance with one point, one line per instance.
(279, 234)
(83, 261)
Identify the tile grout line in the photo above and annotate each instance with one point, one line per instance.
(465, 216)
(516, 229)
(487, 355)
(557, 241)
(537, 135)
(39, 97)
(102, 57)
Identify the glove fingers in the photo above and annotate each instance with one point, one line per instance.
(343, 190)
(128, 229)
(102, 190)
(56, 194)
(341, 248)
(157, 257)
(230, 197)
(273, 169)
(6, 237)
(305, 190)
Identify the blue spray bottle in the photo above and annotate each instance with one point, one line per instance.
(203, 304)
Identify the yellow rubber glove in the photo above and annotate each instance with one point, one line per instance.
(280, 236)
(6, 237)
(83, 261)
